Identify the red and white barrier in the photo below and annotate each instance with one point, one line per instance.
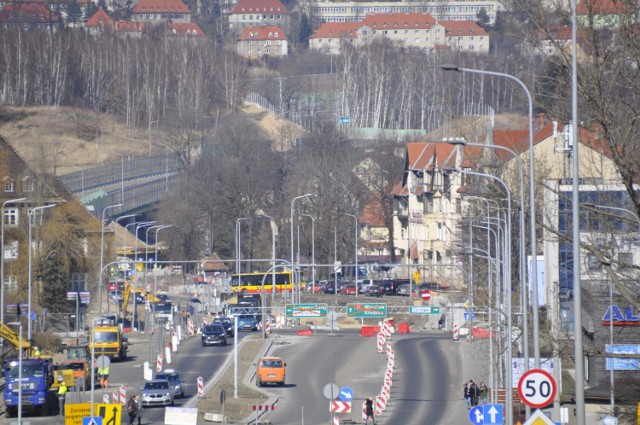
(204, 322)
(200, 386)
(380, 343)
(116, 397)
(263, 407)
(364, 411)
(159, 363)
(123, 395)
(336, 420)
(105, 398)
(456, 331)
(190, 324)
(167, 353)
(268, 329)
(380, 405)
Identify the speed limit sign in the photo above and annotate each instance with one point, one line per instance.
(537, 388)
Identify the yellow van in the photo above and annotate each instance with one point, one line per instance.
(271, 370)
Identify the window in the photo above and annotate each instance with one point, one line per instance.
(11, 216)
(403, 233)
(78, 282)
(439, 232)
(8, 185)
(11, 283)
(27, 184)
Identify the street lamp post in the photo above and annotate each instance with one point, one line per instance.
(532, 213)
(20, 354)
(135, 263)
(356, 250)
(155, 278)
(104, 210)
(272, 223)
(121, 176)
(306, 195)
(2, 255)
(31, 214)
(115, 239)
(239, 247)
(313, 247)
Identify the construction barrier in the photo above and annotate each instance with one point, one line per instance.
(456, 331)
(403, 328)
(305, 332)
(123, 395)
(369, 330)
(159, 363)
(200, 382)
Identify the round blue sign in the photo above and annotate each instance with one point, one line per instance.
(346, 394)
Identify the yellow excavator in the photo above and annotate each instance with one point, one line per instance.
(14, 338)
(129, 289)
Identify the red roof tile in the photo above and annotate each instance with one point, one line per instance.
(160, 6)
(185, 29)
(426, 155)
(129, 26)
(265, 32)
(337, 30)
(372, 212)
(99, 19)
(259, 6)
(27, 13)
(463, 28)
(602, 7)
(399, 20)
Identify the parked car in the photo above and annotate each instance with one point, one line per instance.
(403, 290)
(176, 381)
(348, 290)
(271, 370)
(157, 392)
(226, 323)
(313, 287)
(330, 288)
(435, 286)
(213, 335)
(389, 287)
(247, 323)
(374, 291)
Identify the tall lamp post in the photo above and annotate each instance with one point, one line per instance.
(306, 195)
(155, 278)
(32, 212)
(104, 210)
(313, 247)
(532, 213)
(11, 201)
(121, 176)
(135, 263)
(20, 354)
(115, 241)
(272, 223)
(239, 248)
(356, 250)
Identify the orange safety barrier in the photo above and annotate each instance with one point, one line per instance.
(369, 330)
(403, 328)
(305, 332)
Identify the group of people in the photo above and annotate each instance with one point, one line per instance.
(475, 394)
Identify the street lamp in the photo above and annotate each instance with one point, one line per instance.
(356, 250)
(155, 278)
(306, 195)
(611, 375)
(104, 210)
(20, 350)
(313, 247)
(115, 241)
(11, 201)
(239, 248)
(135, 264)
(272, 223)
(121, 175)
(532, 213)
(31, 214)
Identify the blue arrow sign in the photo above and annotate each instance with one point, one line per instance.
(476, 415)
(493, 414)
(346, 394)
(469, 315)
(92, 420)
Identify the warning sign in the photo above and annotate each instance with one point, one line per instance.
(75, 412)
(111, 413)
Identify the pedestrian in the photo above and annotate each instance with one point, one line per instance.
(139, 404)
(474, 394)
(36, 352)
(369, 412)
(482, 392)
(132, 409)
(467, 393)
(62, 395)
(103, 374)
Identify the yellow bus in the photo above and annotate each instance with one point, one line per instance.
(252, 282)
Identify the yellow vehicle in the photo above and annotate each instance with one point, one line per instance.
(271, 370)
(129, 289)
(62, 373)
(108, 341)
(14, 338)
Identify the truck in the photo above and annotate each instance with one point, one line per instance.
(37, 380)
(107, 340)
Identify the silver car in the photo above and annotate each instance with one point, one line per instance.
(176, 381)
(157, 392)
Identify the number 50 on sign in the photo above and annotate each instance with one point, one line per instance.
(537, 388)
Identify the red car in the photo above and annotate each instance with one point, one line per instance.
(348, 290)
(313, 288)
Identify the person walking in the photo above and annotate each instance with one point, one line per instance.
(139, 403)
(482, 393)
(369, 412)
(103, 373)
(467, 389)
(132, 409)
(474, 394)
(62, 395)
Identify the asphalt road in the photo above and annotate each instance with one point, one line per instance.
(192, 360)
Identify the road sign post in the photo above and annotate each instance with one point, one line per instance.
(537, 388)
(306, 310)
(426, 295)
(426, 309)
(367, 310)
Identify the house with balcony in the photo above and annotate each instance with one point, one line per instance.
(252, 13)
(268, 40)
(160, 11)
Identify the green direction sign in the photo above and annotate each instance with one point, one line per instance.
(367, 310)
(305, 310)
(424, 310)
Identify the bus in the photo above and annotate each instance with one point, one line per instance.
(252, 282)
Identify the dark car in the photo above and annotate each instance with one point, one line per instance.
(247, 323)
(434, 286)
(227, 324)
(374, 291)
(389, 287)
(214, 335)
(403, 290)
(330, 288)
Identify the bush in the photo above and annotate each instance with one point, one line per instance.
(48, 342)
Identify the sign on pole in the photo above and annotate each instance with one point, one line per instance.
(426, 295)
(367, 310)
(537, 388)
(427, 309)
(306, 310)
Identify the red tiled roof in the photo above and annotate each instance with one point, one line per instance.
(185, 29)
(372, 213)
(259, 6)
(602, 7)
(27, 13)
(400, 190)
(129, 26)
(399, 20)
(160, 6)
(99, 19)
(337, 30)
(265, 32)
(426, 155)
(463, 28)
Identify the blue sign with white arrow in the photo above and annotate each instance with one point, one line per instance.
(92, 420)
(493, 414)
(468, 315)
(346, 394)
(476, 415)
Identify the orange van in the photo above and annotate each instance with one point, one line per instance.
(271, 370)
